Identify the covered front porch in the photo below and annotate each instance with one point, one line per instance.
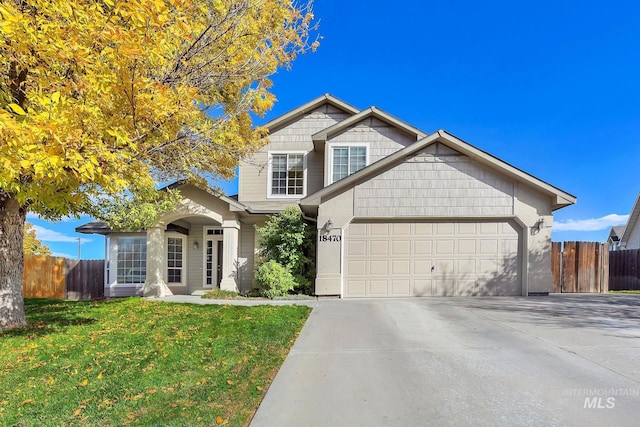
(196, 247)
(192, 254)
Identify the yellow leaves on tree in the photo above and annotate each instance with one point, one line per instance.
(106, 97)
(31, 244)
(99, 97)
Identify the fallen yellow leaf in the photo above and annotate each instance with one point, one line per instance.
(24, 402)
(219, 420)
(229, 382)
(258, 388)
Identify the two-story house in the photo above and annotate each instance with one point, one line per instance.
(399, 212)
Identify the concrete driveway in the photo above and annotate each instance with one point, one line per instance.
(556, 360)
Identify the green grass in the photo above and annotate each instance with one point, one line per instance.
(137, 362)
(630, 291)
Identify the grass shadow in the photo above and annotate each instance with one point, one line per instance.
(46, 316)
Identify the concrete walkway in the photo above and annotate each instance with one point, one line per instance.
(538, 361)
(197, 299)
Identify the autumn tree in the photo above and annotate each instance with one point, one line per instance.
(106, 98)
(32, 245)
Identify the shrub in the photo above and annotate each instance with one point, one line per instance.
(274, 280)
(287, 239)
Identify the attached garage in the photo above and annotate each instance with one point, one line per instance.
(437, 218)
(384, 259)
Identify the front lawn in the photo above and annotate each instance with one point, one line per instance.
(138, 362)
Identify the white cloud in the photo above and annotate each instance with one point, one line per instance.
(592, 224)
(47, 235)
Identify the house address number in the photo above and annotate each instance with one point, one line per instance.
(332, 238)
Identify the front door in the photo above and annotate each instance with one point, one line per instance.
(213, 258)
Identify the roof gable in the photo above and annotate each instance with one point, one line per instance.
(631, 222)
(562, 198)
(320, 138)
(296, 113)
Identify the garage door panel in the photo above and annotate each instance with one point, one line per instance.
(379, 287)
(401, 229)
(422, 287)
(466, 287)
(356, 268)
(396, 259)
(466, 246)
(422, 229)
(489, 246)
(379, 248)
(401, 266)
(401, 247)
(488, 228)
(444, 266)
(446, 229)
(379, 267)
(467, 228)
(443, 287)
(356, 247)
(379, 229)
(356, 288)
(357, 229)
(445, 247)
(401, 287)
(422, 267)
(422, 247)
(466, 266)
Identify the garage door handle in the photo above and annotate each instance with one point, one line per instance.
(433, 268)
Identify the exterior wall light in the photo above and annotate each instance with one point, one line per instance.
(328, 226)
(535, 229)
(195, 245)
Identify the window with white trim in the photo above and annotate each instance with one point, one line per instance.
(174, 259)
(347, 160)
(132, 260)
(287, 175)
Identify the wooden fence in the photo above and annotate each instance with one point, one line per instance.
(61, 278)
(624, 270)
(580, 266)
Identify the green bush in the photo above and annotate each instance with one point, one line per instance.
(289, 240)
(274, 280)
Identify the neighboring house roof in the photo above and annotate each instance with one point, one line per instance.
(320, 138)
(94, 227)
(616, 233)
(631, 222)
(562, 198)
(307, 108)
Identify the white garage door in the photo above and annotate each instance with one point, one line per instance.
(383, 259)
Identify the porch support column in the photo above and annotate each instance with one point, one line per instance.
(231, 233)
(154, 285)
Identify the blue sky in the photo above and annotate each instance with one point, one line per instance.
(549, 87)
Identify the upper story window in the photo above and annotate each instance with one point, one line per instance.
(347, 160)
(287, 175)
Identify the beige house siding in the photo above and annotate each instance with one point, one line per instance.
(634, 237)
(247, 257)
(436, 186)
(295, 136)
(195, 258)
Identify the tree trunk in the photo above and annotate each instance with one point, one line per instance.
(12, 217)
